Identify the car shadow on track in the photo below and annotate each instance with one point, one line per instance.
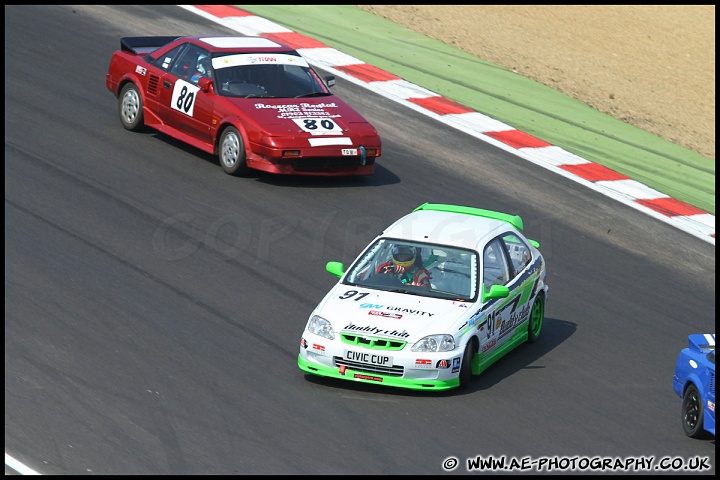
(382, 175)
(526, 356)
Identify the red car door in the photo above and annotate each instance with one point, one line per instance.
(182, 105)
(186, 108)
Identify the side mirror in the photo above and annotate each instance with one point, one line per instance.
(496, 291)
(336, 268)
(330, 81)
(204, 84)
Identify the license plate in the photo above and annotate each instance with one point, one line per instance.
(349, 151)
(369, 358)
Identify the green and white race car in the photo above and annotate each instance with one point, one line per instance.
(438, 297)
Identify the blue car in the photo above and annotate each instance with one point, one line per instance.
(694, 382)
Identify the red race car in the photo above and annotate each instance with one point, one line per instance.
(254, 102)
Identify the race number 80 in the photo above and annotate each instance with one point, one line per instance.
(183, 97)
(318, 126)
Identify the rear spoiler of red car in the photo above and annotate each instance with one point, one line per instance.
(144, 45)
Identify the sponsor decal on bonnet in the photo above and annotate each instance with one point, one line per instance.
(376, 331)
(396, 309)
(384, 314)
(303, 111)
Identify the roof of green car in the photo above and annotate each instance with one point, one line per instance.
(453, 225)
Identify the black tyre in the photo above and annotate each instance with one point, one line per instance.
(231, 152)
(692, 413)
(466, 366)
(130, 107)
(536, 320)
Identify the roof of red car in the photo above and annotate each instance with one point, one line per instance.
(241, 44)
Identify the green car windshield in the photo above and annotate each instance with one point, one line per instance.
(385, 265)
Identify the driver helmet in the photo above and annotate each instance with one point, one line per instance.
(403, 255)
(203, 65)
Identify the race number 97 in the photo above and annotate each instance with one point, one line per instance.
(183, 98)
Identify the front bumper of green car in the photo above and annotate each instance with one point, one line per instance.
(374, 378)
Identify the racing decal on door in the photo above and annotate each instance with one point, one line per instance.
(183, 97)
(318, 126)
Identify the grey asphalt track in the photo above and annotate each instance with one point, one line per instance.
(154, 304)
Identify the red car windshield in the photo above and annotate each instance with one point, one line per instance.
(268, 81)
